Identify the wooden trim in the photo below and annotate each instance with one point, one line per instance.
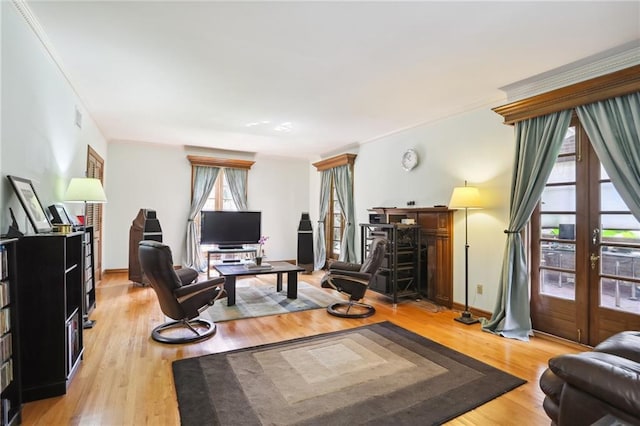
(338, 160)
(596, 89)
(197, 160)
(116, 271)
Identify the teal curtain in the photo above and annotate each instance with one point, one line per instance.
(237, 180)
(343, 180)
(203, 180)
(613, 127)
(538, 142)
(325, 192)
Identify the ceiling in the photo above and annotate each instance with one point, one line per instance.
(307, 79)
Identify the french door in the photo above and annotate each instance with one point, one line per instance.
(585, 250)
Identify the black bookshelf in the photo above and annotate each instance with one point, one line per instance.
(10, 383)
(50, 305)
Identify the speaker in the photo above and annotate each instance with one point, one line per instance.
(305, 244)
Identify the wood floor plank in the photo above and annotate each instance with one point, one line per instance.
(125, 378)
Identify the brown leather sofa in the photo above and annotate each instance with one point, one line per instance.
(584, 388)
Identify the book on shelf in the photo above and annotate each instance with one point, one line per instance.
(256, 267)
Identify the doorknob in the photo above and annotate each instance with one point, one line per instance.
(594, 259)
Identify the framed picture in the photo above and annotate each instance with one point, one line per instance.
(31, 204)
(61, 215)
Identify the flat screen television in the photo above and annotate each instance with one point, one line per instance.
(230, 229)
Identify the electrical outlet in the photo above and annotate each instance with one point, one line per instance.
(479, 288)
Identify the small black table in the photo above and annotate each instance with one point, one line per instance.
(231, 271)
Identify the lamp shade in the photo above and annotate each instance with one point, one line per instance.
(465, 197)
(87, 190)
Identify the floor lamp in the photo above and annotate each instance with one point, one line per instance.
(465, 197)
(85, 190)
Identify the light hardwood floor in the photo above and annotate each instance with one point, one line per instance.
(125, 378)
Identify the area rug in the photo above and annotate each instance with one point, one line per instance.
(257, 299)
(378, 374)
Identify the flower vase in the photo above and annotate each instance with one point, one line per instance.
(258, 260)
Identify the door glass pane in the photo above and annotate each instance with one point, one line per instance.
(560, 198)
(620, 228)
(620, 295)
(558, 284)
(558, 226)
(619, 253)
(610, 199)
(564, 171)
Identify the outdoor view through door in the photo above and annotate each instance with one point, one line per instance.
(585, 250)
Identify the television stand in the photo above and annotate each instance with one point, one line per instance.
(225, 255)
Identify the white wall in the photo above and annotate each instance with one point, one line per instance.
(145, 175)
(39, 139)
(475, 146)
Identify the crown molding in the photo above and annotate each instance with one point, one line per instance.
(608, 86)
(621, 57)
(23, 9)
(338, 160)
(197, 160)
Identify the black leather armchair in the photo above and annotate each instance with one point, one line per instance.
(588, 387)
(353, 279)
(181, 297)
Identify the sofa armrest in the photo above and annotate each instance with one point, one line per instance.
(625, 344)
(607, 377)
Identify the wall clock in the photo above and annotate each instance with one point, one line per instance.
(409, 159)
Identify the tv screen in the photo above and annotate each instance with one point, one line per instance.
(229, 229)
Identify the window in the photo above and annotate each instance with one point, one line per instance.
(220, 197)
(336, 226)
(335, 221)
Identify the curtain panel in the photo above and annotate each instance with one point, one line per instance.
(613, 126)
(203, 181)
(320, 252)
(538, 142)
(237, 180)
(343, 180)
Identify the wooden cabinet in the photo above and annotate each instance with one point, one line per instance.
(436, 227)
(50, 298)
(400, 273)
(10, 383)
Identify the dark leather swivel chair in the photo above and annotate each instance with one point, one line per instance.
(353, 279)
(181, 297)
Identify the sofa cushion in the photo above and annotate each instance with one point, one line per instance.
(610, 378)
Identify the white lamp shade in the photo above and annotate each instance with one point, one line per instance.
(465, 197)
(87, 190)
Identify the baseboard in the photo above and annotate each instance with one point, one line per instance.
(561, 340)
(115, 271)
(475, 312)
(126, 270)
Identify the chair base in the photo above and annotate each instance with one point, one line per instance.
(210, 330)
(341, 309)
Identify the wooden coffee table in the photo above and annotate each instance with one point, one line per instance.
(232, 270)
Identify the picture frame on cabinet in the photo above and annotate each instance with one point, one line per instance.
(26, 193)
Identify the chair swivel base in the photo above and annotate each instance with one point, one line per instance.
(341, 309)
(191, 325)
